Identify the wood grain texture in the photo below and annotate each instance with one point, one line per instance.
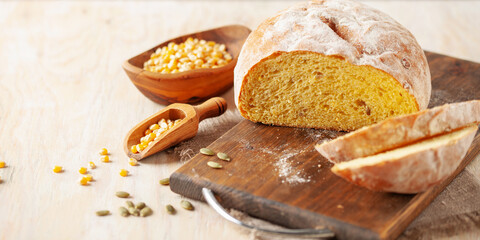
(254, 183)
(64, 95)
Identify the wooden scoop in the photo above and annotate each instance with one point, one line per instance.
(187, 128)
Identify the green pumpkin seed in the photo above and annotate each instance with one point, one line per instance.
(146, 211)
(187, 205)
(103, 213)
(170, 209)
(214, 164)
(130, 204)
(140, 205)
(223, 156)
(123, 211)
(165, 181)
(206, 151)
(122, 194)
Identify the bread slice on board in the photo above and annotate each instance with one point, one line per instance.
(412, 168)
(400, 131)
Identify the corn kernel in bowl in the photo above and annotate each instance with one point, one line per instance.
(189, 55)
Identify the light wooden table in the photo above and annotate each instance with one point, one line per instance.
(63, 96)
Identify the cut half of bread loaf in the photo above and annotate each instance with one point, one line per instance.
(412, 168)
(400, 131)
(331, 64)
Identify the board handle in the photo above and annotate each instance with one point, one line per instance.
(305, 233)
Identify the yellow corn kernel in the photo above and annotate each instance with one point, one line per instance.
(103, 151)
(123, 173)
(2, 164)
(89, 177)
(139, 148)
(105, 158)
(92, 165)
(144, 145)
(132, 161)
(83, 181)
(133, 149)
(82, 170)
(153, 127)
(152, 136)
(57, 169)
(148, 131)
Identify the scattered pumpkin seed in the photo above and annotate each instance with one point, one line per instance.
(223, 156)
(122, 194)
(123, 211)
(103, 213)
(146, 211)
(206, 151)
(140, 205)
(133, 211)
(170, 209)
(165, 181)
(186, 204)
(130, 204)
(214, 164)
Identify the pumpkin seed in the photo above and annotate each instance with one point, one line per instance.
(214, 164)
(130, 204)
(103, 213)
(186, 204)
(146, 211)
(223, 156)
(165, 181)
(170, 209)
(140, 205)
(206, 151)
(122, 194)
(132, 210)
(123, 211)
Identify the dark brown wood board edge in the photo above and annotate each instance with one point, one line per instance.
(413, 209)
(257, 207)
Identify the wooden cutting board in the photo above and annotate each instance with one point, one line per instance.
(276, 174)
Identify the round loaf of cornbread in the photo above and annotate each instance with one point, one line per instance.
(332, 64)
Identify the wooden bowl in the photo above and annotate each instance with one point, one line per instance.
(194, 85)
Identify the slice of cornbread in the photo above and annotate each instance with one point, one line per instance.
(332, 64)
(412, 168)
(400, 131)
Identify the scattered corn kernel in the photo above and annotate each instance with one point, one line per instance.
(83, 181)
(92, 165)
(132, 161)
(103, 151)
(105, 158)
(133, 149)
(191, 54)
(2, 164)
(123, 173)
(57, 169)
(153, 133)
(82, 170)
(89, 177)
